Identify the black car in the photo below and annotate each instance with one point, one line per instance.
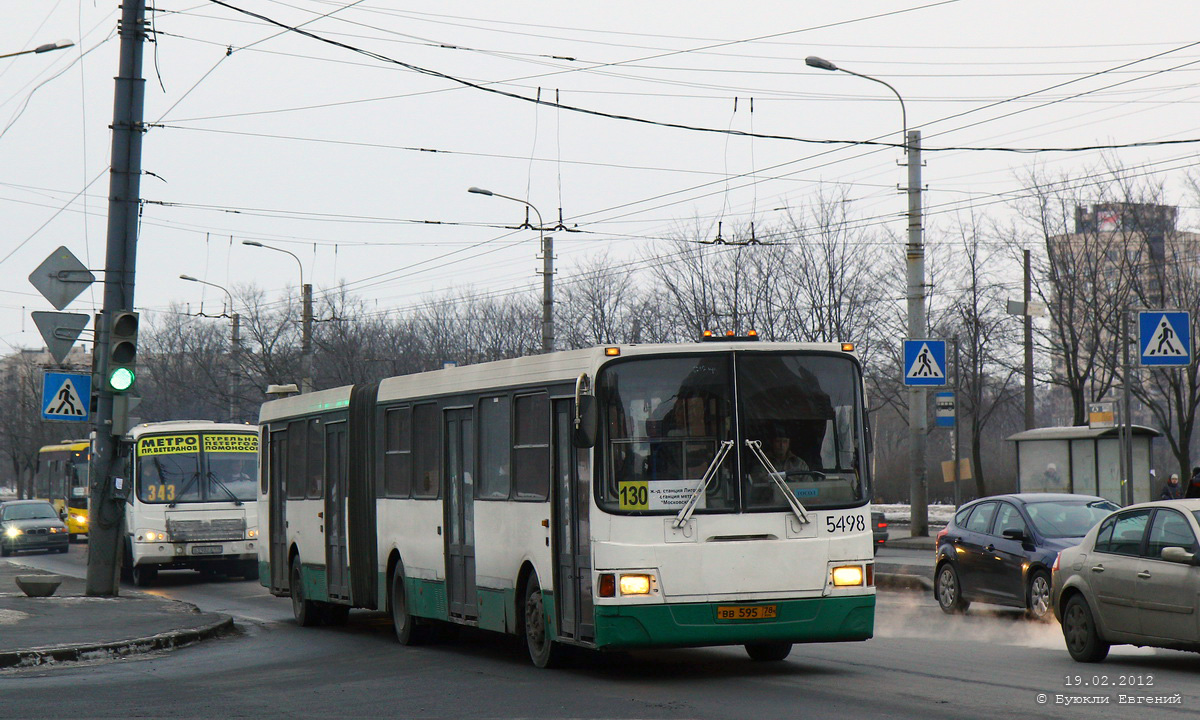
(1000, 549)
(879, 528)
(31, 525)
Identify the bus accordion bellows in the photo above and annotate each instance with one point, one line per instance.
(62, 479)
(192, 503)
(617, 497)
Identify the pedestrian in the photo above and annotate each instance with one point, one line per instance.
(1172, 490)
(1193, 488)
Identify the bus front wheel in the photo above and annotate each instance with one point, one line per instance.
(543, 650)
(144, 575)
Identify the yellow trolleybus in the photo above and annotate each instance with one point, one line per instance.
(62, 478)
(618, 497)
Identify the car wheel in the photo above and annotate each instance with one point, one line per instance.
(948, 590)
(1039, 596)
(304, 610)
(543, 651)
(144, 575)
(62, 549)
(768, 652)
(405, 625)
(1080, 631)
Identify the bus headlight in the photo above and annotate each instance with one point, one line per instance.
(12, 532)
(79, 518)
(635, 584)
(847, 575)
(251, 533)
(151, 536)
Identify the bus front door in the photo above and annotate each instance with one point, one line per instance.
(335, 511)
(572, 550)
(460, 514)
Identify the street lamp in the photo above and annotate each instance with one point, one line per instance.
(59, 45)
(235, 346)
(918, 423)
(306, 321)
(547, 242)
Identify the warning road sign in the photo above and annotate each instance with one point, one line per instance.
(924, 362)
(66, 397)
(1165, 338)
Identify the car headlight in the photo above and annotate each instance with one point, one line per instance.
(251, 533)
(12, 532)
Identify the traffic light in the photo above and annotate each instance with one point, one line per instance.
(122, 351)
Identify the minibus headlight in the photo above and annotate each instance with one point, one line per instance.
(847, 575)
(251, 533)
(635, 584)
(151, 536)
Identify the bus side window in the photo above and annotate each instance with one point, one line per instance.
(495, 479)
(397, 458)
(315, 462)
(531, 447)
(294, 482)
(427, 441)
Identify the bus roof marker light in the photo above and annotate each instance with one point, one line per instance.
(612, 351)
(752, 333)
(847, 347)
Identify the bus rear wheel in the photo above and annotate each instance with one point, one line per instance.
(543, 651)
(305, 611)
(405, 625)
(768, 652)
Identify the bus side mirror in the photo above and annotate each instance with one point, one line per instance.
(586, 421)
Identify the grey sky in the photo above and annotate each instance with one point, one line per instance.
(325, 152)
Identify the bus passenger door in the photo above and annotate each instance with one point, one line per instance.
(335, 511)
(277, 510)
(572, 546)
(460, 514)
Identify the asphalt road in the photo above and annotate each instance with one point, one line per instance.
(921, 664)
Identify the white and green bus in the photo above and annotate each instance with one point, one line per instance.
(192, 504)
(610, 498)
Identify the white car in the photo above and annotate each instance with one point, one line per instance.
(1134, 579)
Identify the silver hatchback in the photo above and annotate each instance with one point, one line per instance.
(1134, 579)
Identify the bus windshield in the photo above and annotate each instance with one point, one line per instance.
(664, 419)
(197, 467)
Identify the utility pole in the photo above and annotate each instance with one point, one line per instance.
(235, 353)
(306, 383)
(547, 291)
(1030, 419)
(918, 421)
(106, 498)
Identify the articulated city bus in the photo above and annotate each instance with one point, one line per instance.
(62, 478)
(193, 501)
(617, 497)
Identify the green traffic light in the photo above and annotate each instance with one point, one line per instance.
(121, 379)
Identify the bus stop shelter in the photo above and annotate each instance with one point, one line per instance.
(1083, 460)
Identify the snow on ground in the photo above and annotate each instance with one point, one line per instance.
(902, 514)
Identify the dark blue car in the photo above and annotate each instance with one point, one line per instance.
(1000, 549)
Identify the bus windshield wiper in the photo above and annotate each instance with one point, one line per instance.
(195, 476)
(217, 481)
(756, 448)
(685, 513)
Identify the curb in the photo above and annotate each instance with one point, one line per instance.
(902, 581)
(121, 648)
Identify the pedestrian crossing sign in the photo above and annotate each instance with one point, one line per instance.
(1165, 338)
(925, 362)
(66, 397)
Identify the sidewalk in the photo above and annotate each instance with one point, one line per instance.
(71, 626)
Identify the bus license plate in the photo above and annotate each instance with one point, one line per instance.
(747, 612)
(207, 550)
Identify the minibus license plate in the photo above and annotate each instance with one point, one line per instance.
(207, 550)
(746, 612)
